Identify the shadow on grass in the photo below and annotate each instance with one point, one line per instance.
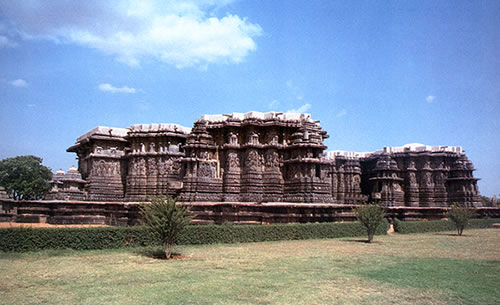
(363, 241)
(158, 253)
(453, 234)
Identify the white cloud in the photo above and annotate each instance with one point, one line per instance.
(274, 104)
(301, 109)
(180, 33)
(430, 99)
(5, 42)
(110, 88)
(19, 83)
(342, 113)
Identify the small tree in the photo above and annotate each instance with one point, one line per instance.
(460, 215)
(371, 215)
(165, 218)
(24, 177)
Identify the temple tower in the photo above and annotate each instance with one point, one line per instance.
(101, 162)
(461, 184)
(387, 183)
(154, 160)
(202, 176)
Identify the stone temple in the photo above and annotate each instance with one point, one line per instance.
(259, 157)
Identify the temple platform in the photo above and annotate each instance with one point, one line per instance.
(127, 213)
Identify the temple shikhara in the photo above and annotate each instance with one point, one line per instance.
(259, 157)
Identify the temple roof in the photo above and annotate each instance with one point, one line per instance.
(104, 131)
(257, 115)
(411, 147)
(159, 127)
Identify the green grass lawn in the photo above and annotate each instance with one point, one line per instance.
(434, 268)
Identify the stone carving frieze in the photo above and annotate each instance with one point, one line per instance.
(104, 168)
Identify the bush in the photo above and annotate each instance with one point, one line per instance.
(165, 219)
(460, 215)
(27, 239)
(406, 227)
(371, 216)
(31, 239)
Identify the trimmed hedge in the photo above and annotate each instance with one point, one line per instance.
(406, 227)
(33, 239)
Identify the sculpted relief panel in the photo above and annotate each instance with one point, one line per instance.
(206, 170)
(233, 161)
(272, 159)
(253, 161)
(104, 168)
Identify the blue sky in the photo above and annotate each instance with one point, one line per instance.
(376, 73)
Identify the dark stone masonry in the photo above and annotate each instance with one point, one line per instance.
(259, 157)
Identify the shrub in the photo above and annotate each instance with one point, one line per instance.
(165, 219)
(27, 239)
(412, 226)
(460, 215)
(371, 216)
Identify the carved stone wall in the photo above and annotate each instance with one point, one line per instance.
(425, 178)
(263, 157)
(243, 157)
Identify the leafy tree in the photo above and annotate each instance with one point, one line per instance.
(371, 215)
(165, 218)
(24, 177)
(489, 202)
(460, 214)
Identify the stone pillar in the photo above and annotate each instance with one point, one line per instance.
(440, 194)
(136, 179)
(273, 181)
(232, 176)
(411, 190)
(251, 178)
(426, 190)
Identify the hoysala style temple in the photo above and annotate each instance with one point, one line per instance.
(259, 157)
